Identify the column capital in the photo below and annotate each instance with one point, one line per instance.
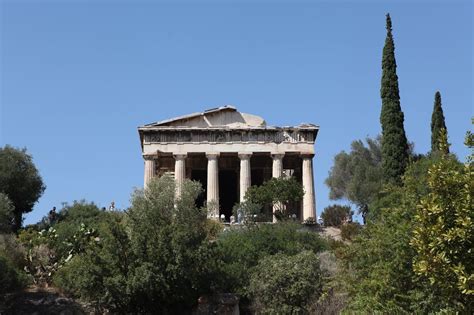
(278, 156)
(244, 155)
(180, 156)
(307, 155)
(149, 157)
(212, 155)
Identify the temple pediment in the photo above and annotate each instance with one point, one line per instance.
(225, 116)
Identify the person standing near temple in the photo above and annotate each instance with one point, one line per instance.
(52, 215)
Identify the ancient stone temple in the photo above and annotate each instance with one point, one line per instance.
(227, 151)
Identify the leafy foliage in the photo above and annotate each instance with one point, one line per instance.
(6, 214)
(213, 229)
(156, 258)
(379, 274)
(357, 176)
(379, 263)
(278, 192)
(395, 147)
(350, 230)
(444, 232)
(49, 246)
(282, 284)
(76, 226)
(11, 278)
(99, 273)
(20, 181)
(241, 249)
(336, 215)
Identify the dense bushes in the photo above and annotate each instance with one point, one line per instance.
(161, 254)
(12, 261)
(283, 284)
(350, 230)
(242, 249)
(157, 258)
(443, 232)
(11, 277)
(380, 271)
(49, 245)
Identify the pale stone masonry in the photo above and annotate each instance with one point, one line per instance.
(228, 151)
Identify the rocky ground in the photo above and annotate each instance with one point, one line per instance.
(39, 301)
(332, 232)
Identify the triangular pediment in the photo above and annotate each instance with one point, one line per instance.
(225, 116)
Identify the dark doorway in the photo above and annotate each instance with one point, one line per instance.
(227, 192)
(200, 176)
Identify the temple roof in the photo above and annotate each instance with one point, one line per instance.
(224, 117)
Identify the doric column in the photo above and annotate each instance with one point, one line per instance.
(179, 172)
(213, 181)
(277, 172)
(245, 175)
(149, 168)
(309, 209)
(277, 167)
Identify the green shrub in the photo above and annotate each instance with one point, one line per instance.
(350, 230)
(12, 262)
(155, 259)
(99, 273)
(11, 278)
(281, 193)
(336, 215)
(76, 225)
(379, 262)
(213, 228)
(241, 249)
(282, 284)
(7, 217)
(11, 247)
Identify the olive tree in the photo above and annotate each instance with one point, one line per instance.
(357, 176)
(20, 181)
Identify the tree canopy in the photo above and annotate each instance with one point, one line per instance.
(357, 176)
(20, 181)
(278, 192)
(336, 215)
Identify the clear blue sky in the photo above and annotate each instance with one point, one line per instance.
(77, 78)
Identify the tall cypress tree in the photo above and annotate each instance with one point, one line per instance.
(394, 140)
(437, 124)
